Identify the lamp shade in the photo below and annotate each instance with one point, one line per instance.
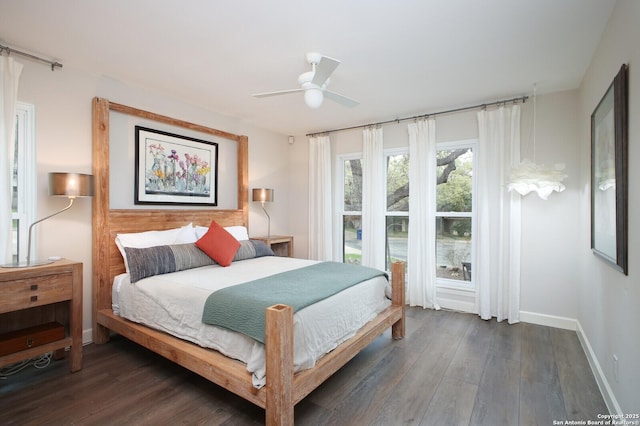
(71, 184)
(530, 177)
(262, 194)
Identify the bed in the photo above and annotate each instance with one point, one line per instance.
(284, 388)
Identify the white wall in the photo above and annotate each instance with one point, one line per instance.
(62, 102)
(550, 232)
(609, 301)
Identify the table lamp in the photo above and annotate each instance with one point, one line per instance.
(264, 195)
(69, 185)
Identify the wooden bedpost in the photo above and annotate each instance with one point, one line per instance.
(279, 347)
(101, 284)
(398, 298)
(243, 177)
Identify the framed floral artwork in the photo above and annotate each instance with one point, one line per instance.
(174, 169)
(609, 174)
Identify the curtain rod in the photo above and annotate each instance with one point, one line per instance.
(416, 117)
(9, 51)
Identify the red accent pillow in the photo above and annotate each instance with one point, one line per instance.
(219, 244)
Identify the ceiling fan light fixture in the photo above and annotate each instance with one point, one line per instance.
(313, 97)
(315, 82)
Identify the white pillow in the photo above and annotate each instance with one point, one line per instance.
(182, 235)
(239, 232)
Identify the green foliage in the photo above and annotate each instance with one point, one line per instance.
(398, 182)
(454, 195)
(462, 227)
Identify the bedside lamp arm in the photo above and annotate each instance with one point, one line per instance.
(268, 223)
(41, 220)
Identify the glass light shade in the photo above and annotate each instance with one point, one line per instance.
(313, 98)
(530, 177)
(70, 184)
(262, 195)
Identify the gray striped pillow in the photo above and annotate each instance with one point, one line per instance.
(147, 262)
(158, 260)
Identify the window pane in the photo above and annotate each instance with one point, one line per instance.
(398, 183)
(353, 185)
(14, 174)
(352, 237)
(396, 241)
(15, 237)
(454, 172)
(453, 248)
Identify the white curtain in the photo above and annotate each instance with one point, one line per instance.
(9, 75)
(497, 267)
(373, 198)
(320, 217)
(421, 262)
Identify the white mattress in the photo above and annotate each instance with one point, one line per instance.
(174, 302)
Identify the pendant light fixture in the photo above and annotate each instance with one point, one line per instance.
(529, 176)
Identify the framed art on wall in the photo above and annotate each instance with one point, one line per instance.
(174, 169)
(609, 197)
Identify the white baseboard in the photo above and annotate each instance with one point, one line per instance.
(601, 379)
(455, 299)
(455, 305)
(87, 336)
(548, 320)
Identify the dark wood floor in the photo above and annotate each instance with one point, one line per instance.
(451, 368)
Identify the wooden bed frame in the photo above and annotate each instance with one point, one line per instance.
(283, 389)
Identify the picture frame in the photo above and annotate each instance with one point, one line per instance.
(174, 169)
(609, 174)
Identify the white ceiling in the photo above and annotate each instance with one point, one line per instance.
(399, 58)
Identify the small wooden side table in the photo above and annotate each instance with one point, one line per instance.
(34, 302)
(282, 245)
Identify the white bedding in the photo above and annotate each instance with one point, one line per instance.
(174, 302)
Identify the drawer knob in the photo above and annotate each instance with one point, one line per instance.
(34, 298)
(34, 287)
(29, 342)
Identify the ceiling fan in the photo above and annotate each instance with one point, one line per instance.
(314, 83)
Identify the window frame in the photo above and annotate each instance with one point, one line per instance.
(388, 153)
(339, 201)
(26, 203)
(445, 283)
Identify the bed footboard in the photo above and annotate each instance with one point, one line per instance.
(284, 388)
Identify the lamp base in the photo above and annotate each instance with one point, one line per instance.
(26, 264)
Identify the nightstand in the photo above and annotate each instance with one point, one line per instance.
(41, 311)
(282, 245)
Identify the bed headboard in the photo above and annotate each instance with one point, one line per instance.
(106, 259)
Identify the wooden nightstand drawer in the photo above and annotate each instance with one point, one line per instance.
(37, 291)
(27, 338)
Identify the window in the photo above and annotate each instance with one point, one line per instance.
(454, 210)
(397, 211)
(454, 214)
(397, 214)
(352, 209)
(24, 180)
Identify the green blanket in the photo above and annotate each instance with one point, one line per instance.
(242, 307)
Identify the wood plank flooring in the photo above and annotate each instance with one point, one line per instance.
(451, 369)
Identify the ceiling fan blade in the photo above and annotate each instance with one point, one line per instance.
(343, 100)
(278, 92)
(324, 69)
